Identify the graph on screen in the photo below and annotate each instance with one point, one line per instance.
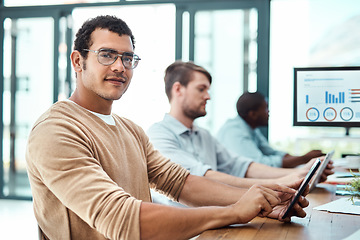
(328, 96)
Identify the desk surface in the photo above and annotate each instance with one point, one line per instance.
(316, 225)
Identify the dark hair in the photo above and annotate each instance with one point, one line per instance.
(249, 102)
(112, 23)
(181, 72)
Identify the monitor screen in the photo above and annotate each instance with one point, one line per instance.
(327, 96)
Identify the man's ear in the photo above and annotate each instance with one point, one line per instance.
(252, 114)
(176, 89)
(76, 61)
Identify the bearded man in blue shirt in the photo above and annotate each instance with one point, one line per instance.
(177, 137)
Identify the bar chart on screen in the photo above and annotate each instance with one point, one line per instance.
(327, 95)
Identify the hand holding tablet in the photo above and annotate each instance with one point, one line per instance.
(322, 167)
(303, 186)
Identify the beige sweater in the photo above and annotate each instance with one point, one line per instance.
(88, 178)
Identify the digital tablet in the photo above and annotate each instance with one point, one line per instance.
(322, 167)
(303, 186)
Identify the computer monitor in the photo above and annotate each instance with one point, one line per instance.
(327, 96)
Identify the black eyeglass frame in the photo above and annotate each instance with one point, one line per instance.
(135, 57)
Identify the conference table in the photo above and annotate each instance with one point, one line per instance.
(316, 225)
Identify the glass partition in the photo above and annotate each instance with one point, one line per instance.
(229, 53)
(13, 3)
(28, 90)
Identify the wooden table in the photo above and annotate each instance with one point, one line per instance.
(316, 225)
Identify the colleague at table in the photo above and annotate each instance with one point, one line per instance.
(242, 135)
(177, 137)
(90, 170)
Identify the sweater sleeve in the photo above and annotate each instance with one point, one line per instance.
(164, 175)
(62, 157)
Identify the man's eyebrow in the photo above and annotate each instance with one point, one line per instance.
(114, 51)
(203, 85)
(109, 50)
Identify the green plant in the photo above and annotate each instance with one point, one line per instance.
(354, 187)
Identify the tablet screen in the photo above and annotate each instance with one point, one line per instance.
(303, 186)
(322, 167)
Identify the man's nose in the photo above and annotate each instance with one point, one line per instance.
(207, 95)
(118, 66)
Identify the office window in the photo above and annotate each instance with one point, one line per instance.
(28, 88)
(308, 33)
(13, 3)
(229, 53)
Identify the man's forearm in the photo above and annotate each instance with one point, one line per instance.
(257, 170)
(196, 192)
(165, 222)
(236, 181)
(290, 161)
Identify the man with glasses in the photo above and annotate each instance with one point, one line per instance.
(108, 57)
(90, 170)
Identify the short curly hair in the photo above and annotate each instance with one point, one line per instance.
(112, 23)
(249, 101)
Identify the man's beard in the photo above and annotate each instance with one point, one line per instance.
(192, 114)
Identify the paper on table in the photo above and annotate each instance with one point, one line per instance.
(354, 236)
(342, 205)
(334, 179)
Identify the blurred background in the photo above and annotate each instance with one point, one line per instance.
(246, 45)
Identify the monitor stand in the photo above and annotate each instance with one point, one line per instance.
(347, 131)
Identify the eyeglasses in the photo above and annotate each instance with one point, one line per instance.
(108, 56)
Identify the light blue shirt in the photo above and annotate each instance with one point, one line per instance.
(241, 139)
(195, 149)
